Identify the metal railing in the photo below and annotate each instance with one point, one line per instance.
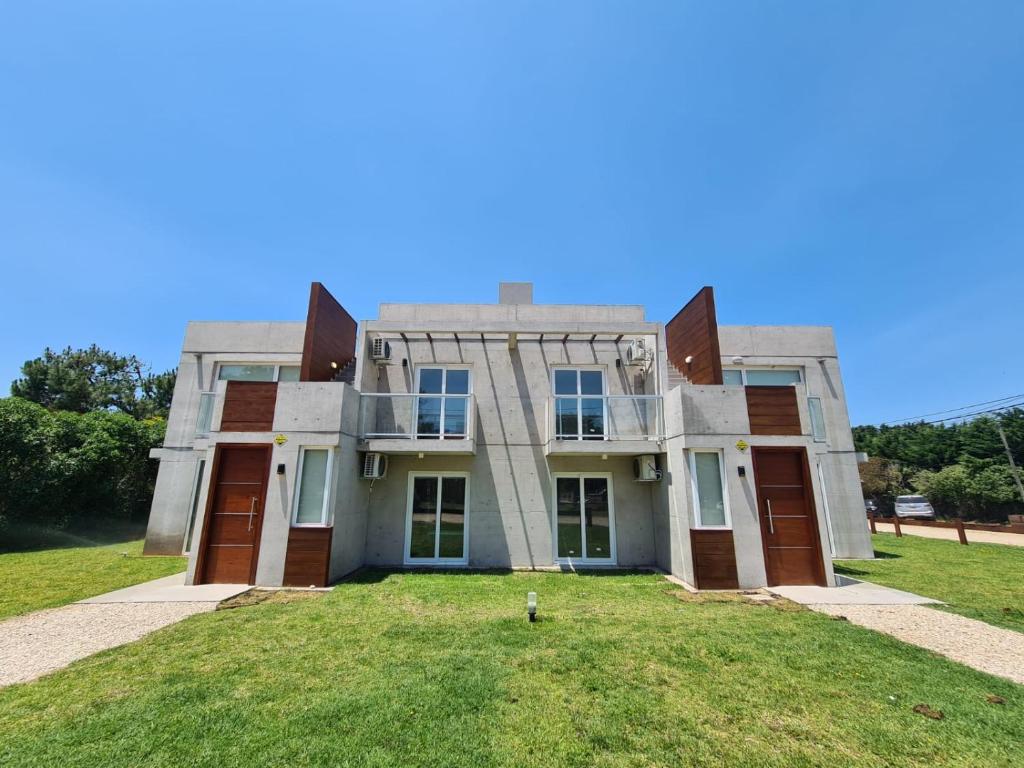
(402, 416)
(606, 417)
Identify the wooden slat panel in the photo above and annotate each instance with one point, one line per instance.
(773, 410)
(330, 336)
(714, 559)
(694, 332)
(308, 558)
(249, 406)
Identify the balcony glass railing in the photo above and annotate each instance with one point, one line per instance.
(606, 417)
(415, 417)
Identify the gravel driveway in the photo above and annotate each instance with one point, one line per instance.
(44, 641)
(974, 643)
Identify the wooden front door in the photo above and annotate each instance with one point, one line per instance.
(789, 523)
(234, 515)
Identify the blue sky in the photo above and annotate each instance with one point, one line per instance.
(858, 164)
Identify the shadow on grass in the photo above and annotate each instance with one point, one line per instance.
(375, 575)
(18, 537)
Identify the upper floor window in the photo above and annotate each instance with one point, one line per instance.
(762, 377)
(260, 372)
(443, 406)
(579, 404)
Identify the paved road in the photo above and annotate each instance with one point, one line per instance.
(949, 534)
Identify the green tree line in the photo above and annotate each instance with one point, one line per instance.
(75, 437)
(962, 467)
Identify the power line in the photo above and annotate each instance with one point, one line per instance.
(975, 413)
(951, 410)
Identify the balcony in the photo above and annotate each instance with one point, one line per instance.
(584, 425)
(413, 423)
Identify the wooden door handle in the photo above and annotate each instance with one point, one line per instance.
(771, 523)
(252, 511)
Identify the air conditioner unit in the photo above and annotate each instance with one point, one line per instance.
(645, 468)
(638, 353)
(375, 466)
(380, 350)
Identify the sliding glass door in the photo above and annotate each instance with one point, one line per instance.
(584, 519)
(435, 527)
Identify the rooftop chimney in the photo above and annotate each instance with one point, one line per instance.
(515, 293)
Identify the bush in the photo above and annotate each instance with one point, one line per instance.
(977, 490)
(60, 468)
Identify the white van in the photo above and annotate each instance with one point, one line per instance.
(914, 506)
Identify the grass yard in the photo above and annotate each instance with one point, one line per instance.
(52, 577)
(981, 581)
(421, 669)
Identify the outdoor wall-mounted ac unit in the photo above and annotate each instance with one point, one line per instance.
(638, 353)
(375, 466)
(645, 468)
(380, 350)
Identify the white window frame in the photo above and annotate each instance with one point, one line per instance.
(695, 490)
(446, 561)
(579, 404)
(743, 373)
(325, 513)
(198, 480)
(276, 366)
(825, 509)
(443, 395)
(609, 561)
(823, 438)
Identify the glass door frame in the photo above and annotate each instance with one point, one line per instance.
(443, 397)
(448, 561)
(579, 398)
(581, 476)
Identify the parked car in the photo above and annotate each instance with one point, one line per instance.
(914, 506)
(870, 507)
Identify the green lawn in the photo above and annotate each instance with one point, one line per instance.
(52, 577)
(982, 581)
(423, 669)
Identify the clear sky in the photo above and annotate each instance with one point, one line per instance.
(857, 164)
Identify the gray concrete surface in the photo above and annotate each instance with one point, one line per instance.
(851, 592)
(169, 589)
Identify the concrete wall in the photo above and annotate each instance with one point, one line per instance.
(205, 346)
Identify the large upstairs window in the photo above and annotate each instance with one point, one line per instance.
(257, 372)
(443, 404)
(579, 404)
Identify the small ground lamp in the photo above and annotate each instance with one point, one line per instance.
(531, 605)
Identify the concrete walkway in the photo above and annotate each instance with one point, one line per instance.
(949, 534)
(44, 641)
(910, 618)
(851, 592)
(169, 589)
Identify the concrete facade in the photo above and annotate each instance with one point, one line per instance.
(511, 454)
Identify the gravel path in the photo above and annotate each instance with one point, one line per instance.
(950, 534)
(974, 643)
(41, 642)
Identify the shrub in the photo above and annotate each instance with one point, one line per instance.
(60, 468)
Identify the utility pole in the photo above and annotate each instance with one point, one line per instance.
(1013, 466)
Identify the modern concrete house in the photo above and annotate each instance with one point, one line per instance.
(508, 435)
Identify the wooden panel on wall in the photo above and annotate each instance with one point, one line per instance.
(249, 406)
(714, 559)
(773, 411)
(308, 558)
(693, 332)
(330, 336)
